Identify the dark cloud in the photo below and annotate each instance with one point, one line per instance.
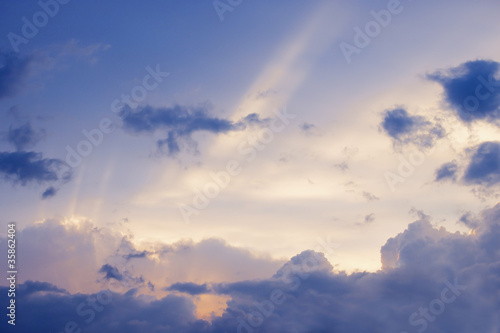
(111, 272)
(398, 122)
(189, 288)
(13, 71)
(26, 167)
(472, 90)
(24, 136)
(33, 287)
(105, 311)
(178, 119)
(484, 166)
(179, 122)
(49, 192)
(428, 273)
(404, 128)
(253, 119)
(447, 171)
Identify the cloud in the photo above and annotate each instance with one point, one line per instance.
(469, 220)
(263, 94)
(432, 280)
(404, 128)
(33, 287)
(370, 218)
(310, 129)
(24, 136)
(111, 272)
(13, 70)
(76, 255)
(189, 288)
(447, 171)
(142, 254)
(428, 273)
(472, 89)
(49, 192)
(105, 311)
(27, 167)
(179, 123)
(484, 166)
(343, 166)
(369, 196)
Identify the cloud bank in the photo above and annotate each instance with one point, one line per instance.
(431, 281)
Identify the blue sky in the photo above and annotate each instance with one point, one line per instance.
(182, 153)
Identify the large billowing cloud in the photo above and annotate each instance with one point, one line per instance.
(76, 255)
(404, 128)
(472, 89)
(179, 123)
(432, 281)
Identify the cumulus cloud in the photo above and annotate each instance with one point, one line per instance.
(179, 123)
(484, 166)
(472, 89)
(13, 71)
(432, 280)
(404, 128)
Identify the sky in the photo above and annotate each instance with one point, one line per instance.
(250, 166)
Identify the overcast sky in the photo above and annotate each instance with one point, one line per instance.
(179, 154)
